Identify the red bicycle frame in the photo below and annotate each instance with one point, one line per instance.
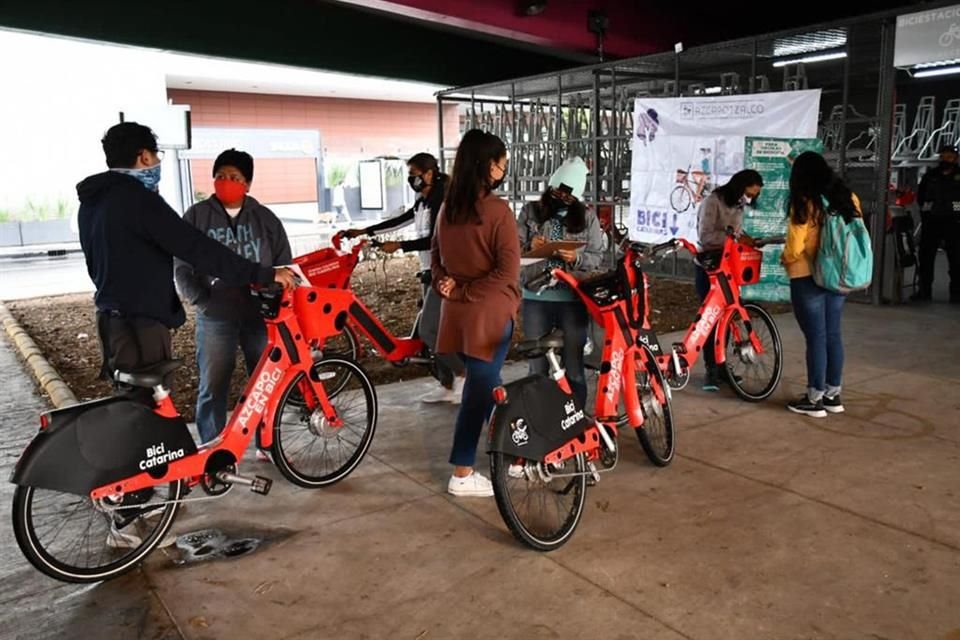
(303, 319)
(739, 265)
(332, 268)
(623, 318)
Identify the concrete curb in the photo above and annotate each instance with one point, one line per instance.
(48, 377)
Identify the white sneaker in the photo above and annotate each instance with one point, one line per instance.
(471, 486)
(442, 394)
(118, 539)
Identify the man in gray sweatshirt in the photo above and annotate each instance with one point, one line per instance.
(227, 316)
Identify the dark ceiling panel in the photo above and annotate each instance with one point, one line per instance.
(294, 32)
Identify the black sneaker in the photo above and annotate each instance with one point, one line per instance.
(729, 378)
(833, 405)
(806, 407)
(711, 381)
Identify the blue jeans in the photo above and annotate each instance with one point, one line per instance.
(477, 403)
(539, 318)
(217, 342)
(702, 285)
(818, 313)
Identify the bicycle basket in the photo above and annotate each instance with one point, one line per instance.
(682, 176)
(745, 264)
(605, 289)
(327, 268)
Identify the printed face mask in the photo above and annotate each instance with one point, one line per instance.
(150, 177)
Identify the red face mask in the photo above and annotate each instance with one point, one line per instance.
(228, 191)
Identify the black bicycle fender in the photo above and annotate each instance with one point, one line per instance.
(536, 419)
(95, 443)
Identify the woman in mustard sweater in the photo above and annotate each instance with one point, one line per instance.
(815, 189)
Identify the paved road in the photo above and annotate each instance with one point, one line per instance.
(33, 607)
(43, 276)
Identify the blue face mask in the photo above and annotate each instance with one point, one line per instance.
(150, 177)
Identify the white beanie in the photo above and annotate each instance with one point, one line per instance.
(572, 173)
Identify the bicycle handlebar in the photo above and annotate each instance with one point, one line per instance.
(540, 280)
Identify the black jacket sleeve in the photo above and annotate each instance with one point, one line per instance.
(169, 231)
(420, 244)
(190, 284)
(434, 201)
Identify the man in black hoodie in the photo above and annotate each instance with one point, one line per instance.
(129, 237)
(226, 315)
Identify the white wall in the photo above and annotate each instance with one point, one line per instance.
(57, 97)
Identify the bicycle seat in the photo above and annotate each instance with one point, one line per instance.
(538, 346)
(148, 377)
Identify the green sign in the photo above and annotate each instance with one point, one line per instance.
(773, 158)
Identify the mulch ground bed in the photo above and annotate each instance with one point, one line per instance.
(64, 328)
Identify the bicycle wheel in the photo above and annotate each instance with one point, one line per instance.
(753, 376)
(541, 504)
(342, 345)
(680, 199)
(75, 539)
(307, 449)
(656, 434)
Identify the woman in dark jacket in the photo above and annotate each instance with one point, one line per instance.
(430, 185)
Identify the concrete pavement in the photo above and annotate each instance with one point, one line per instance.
(767, 525)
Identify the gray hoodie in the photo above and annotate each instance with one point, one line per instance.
(589, 258)
(256, 234)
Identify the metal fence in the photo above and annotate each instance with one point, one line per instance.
(588, 111)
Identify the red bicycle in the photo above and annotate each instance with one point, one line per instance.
(543, 447)
(100, 484)
(747, 341)
(332, 268)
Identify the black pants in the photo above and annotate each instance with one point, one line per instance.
(937, 230)
(132, 343)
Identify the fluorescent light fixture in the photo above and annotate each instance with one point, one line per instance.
(820, 57)
(940, 71)
(712, 91)
(940, 63)
(810, 42)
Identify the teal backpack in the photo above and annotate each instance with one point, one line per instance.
(845, 259)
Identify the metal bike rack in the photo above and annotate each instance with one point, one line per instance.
(589, 111)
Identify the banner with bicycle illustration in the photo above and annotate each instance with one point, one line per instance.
(684, 147)
(773, 159)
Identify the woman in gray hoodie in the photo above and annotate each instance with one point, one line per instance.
(560, 215)
(227, 317)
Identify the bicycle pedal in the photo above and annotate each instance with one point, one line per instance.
(593, 473)
(257, 484)
(261, 485)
